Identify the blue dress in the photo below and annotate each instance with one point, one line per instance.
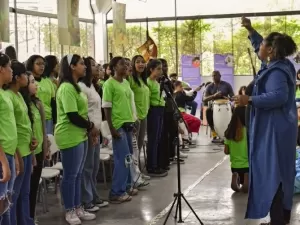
(272, 136)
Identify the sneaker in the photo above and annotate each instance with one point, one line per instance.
(145, 177)
(100, 203)
(183, 155)
(91, 208)
(133, 191)
(141, 183)
(72, 218)
(84, 215)
(174, 161)
(157, 173)
(120, 199)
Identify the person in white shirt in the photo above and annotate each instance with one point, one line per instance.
(90, 198)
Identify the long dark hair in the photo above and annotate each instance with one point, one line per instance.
(88, 79)
(106, 76)
(235, 130)
(18, 69)
(50, 63)
(241, 90)
(135, 73)
(31, 60)
(65, 74)
(152, 64)
(29, 99)
(4, 59)
(10, 51)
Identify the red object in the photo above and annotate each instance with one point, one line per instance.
(192, 122)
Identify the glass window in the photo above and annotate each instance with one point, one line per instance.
(212, 7)
(292, 28)
(49, 6)
(32, 35)
(136, 36)
(11, 3)
(22, 38)
(90, 39)
(83, 48)
(85, 9)
(150, 9)
(45, 36)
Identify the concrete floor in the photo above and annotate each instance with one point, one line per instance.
(205, 183)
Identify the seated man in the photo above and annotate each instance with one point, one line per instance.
(217, 90)
(181, 98)
(193, 104)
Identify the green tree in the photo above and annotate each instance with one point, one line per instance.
(50, 38)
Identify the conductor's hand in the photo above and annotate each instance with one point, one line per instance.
(246, 22)
(241, 100)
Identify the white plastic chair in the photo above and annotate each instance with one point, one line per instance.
(104, 158)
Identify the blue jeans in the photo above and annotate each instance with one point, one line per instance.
(72, 161)
(20, 198)
(194, 106)
(122, 149)
(89, 174)
(7, 188)
(49, 127)
(155, 120)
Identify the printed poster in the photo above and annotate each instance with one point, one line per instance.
(224, 63)
(68, 22)
(4, 21)
(190, 70)
(119, 23)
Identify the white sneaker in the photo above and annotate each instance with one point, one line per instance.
(72, 218)
(84, 215)
(182, 155)
(145, 177)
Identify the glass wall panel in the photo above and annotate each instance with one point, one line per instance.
(213, 7)
(143, 8)
(90, 39)
(22, 37)
(32, 35)
(47, 6)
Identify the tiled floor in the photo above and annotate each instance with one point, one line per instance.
(205, 183)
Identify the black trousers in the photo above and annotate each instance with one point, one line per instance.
(166, 144)
(279, 215)
(210, 118)
(298, 137)
(34, 183)
(240, 172)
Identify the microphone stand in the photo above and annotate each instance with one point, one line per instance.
(179, 195)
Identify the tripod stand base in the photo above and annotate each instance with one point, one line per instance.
(177, 199)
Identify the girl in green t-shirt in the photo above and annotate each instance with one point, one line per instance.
(154, 118)
(138, 84)
(71, 134)
(26, 144)
(117, 104)
(8, 138)
(38, 124)
(236, 147)
(46, 92)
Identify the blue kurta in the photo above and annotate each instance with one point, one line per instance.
(272, 136)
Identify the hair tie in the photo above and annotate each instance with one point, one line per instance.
(70, 57)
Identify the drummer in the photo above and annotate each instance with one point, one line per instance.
(217, 90)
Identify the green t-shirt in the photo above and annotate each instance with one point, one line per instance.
(8, 128)
(298, 92)
(118, 96)
(45, 93)
(156, 99)
(23, 123)
(141, 97)
(238, 152)
(37, 128)
(68, 100)
(101, 82)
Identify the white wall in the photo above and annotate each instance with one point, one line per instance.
(238, 81)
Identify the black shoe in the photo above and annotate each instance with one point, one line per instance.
(166, 168)
(91, 207)
(157, 173)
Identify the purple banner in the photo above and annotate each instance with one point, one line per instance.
(224, 64)
(190, 70)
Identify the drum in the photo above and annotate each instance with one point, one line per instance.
(222, 113)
